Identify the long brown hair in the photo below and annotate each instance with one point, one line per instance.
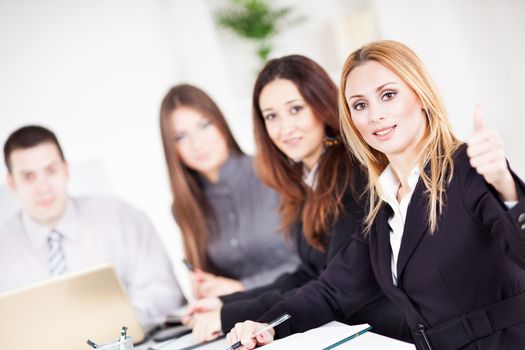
(438, 144)
(190, 208)
(317, 208)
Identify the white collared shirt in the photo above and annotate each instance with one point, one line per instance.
(390, 186)
(38, 234)
(310, 176)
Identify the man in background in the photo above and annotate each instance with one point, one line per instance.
(55, 233)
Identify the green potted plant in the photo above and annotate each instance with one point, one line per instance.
(255, 20)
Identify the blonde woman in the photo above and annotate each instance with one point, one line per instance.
(444, 230)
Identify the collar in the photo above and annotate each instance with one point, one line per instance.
(310, 176)
(390, 184)
(229, 173)
(38, 233)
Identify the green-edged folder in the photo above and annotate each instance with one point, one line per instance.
(344, 340)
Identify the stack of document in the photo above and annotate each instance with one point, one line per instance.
(338, 336)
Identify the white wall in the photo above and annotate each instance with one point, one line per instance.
(475, 52)
(95, 72)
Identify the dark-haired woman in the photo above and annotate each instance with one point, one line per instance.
(301, 155)
(229, 220)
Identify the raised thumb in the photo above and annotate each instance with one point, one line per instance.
(478, 119)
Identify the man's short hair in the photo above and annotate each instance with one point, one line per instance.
(27, 137)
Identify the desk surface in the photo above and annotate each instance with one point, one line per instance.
(366, 341)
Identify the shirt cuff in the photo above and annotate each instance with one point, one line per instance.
(510, 204)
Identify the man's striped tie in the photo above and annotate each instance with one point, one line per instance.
(57, 260)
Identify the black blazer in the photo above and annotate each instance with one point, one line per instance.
(250, 305)
(451, 283)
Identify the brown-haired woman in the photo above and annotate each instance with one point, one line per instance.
(301, 155)
(229, 220)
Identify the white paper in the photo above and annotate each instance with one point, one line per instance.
(322, 337)
(317, 338)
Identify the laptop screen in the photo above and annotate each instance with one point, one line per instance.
(63, 312)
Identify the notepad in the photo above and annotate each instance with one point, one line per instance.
(339, 336)
(319, 338)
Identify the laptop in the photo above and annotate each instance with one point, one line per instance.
(62, 313)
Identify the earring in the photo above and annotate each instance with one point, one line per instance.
(329, 141)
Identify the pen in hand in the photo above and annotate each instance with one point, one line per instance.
(188, 265)
(92, 344)
(271, 325)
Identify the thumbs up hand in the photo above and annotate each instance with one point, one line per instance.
(487, 155)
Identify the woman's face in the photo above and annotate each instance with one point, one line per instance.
(291, 123)
(385, 110)
(198, 142)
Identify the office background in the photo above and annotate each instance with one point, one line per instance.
(96, 71)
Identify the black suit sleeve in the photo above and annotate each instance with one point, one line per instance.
(251, 309)
(283, 283)
(333, 296)
(485, 206)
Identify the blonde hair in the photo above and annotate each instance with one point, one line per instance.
(438, 144)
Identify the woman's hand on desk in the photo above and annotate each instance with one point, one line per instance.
(201, 306)
(244, 332)
(204, 305)
(206, 326)
(217, 285)
(205, 284)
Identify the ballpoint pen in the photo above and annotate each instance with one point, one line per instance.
(92, 344)
(272, 324)
(188, 265)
